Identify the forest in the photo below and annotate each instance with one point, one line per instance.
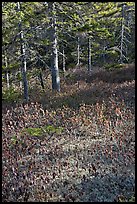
(68, 101)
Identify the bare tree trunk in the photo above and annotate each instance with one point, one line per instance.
(8, 79)
(7, 72)
(89, 54)
(41, 79)
(104, 55)
(78, 51)
(122, 36)
(54, 50)
(23, 58)
(121, 44)
(63, 60)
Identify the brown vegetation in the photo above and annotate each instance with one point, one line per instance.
(91, 159)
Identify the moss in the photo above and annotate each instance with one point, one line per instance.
(114, 66)
(34, 131)
(123, 199)
(13, 139)
(45, 129)
(132, 199)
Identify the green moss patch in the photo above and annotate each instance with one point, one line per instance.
(45, 129)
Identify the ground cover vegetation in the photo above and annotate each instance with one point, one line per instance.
(68, 102)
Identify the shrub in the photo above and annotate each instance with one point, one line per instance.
(10, 95)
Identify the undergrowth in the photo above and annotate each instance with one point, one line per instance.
(73, 146)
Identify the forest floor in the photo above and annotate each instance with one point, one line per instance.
(74, 146)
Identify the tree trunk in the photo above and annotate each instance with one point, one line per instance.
(122, 36)
(8, 79)
(7, 72)
(89, 54)
(78, 51)
(41, 79)
(54, 50)
(23, 59)
(63, 60)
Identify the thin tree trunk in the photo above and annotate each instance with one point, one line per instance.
(20, 82)
(78, 51)
(21, 86)
(7, 72)
(121, 45)
(104, 56)
(54, 50)
(63, 60)
(41, 79)
(122, 36)
(8, 79)
(23, 58)
(89, 54)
